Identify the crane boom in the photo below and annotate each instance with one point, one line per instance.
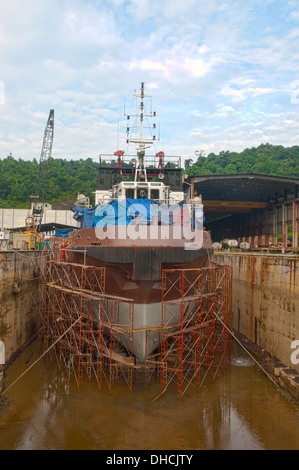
(45, 156)
(44, 165)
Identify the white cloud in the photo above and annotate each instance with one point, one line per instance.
(83, 24)
(226, 112)
(206, 64)
(178, 63)
(236, 95)
(261, 91)
(145, 64)
(197, 67)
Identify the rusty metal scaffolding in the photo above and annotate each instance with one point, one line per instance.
(92, 333)
(81, 325)
(118, 326)
(196, 325)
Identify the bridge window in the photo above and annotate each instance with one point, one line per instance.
(130, 193)
(155, 194)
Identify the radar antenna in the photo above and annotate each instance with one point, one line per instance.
(140, 172)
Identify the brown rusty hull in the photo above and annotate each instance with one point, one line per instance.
(134, 271)
(120, 282)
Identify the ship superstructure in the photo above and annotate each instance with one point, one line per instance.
(138, 176)
(144, 221)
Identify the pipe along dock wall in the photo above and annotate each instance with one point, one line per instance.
(265, 306)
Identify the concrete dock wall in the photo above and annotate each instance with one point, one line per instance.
(265, 304)
(18, 300)
(266, 301)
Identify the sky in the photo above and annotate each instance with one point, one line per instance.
(222, 75)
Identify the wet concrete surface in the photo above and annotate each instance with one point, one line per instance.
(242, 410)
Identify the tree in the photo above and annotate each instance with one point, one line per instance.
(19, 178)
(266, 159)
(188, 163)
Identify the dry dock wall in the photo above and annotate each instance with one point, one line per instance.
(265, 304)
(266, 301)
(18, 301)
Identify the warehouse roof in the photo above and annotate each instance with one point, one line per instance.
(242, 192)
(47, 227)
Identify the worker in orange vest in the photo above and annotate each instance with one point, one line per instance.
(63, 247)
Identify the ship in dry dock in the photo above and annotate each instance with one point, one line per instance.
(144, 221)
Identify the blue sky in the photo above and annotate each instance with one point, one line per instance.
(222, 75)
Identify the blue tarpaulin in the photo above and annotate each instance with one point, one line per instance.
(85, 216)
(62, 232)
(124, 212)
(141, 208)
(113, 213)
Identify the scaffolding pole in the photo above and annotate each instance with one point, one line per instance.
(194, 343)
(74, 294)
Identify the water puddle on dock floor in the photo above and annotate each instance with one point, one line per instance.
(241, 410)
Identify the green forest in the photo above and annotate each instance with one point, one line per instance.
(266, 159)
(19, 180)
(66, 178)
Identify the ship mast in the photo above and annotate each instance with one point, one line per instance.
(140, 172)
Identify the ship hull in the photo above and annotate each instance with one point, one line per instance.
(133, 283)
(141, 328)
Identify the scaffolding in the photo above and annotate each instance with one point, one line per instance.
(92, 333)
(196, 325)
(82, 322)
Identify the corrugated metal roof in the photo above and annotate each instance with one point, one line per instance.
(247, 188)
(244, 187)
